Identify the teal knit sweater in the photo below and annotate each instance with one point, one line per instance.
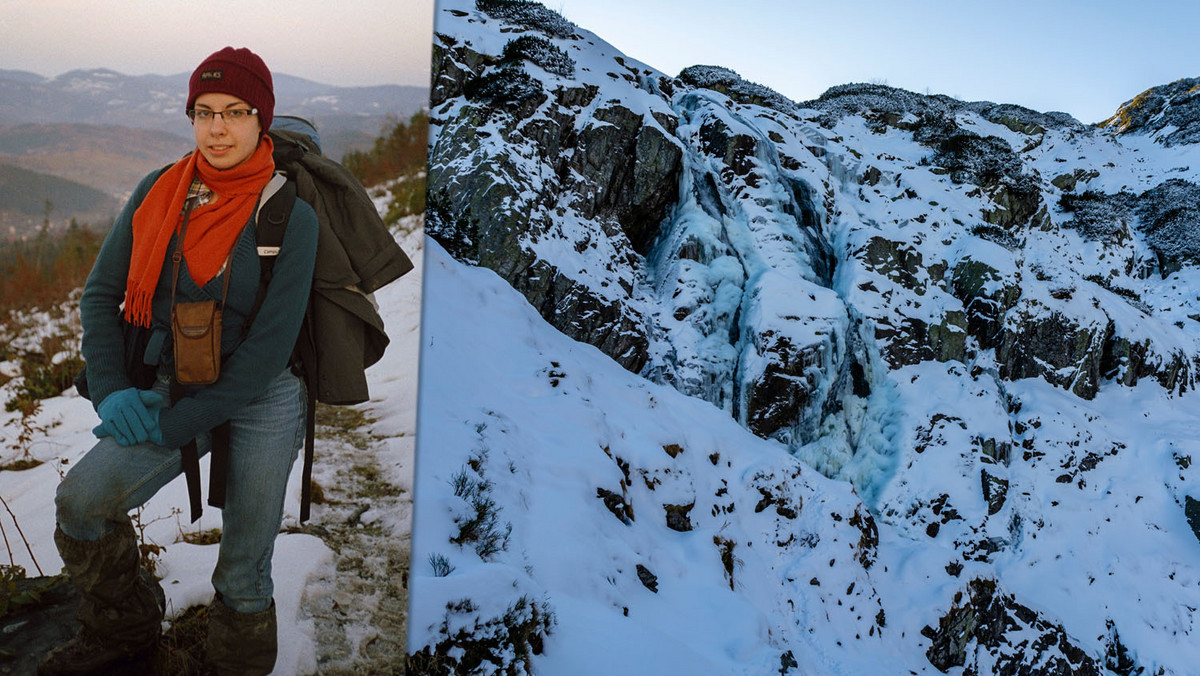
(250, 363)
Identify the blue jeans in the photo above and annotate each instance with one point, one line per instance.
(111, 479)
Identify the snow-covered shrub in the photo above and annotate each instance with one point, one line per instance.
(540, 51)
(1169, 215)
(1098, 216)
(1022, 119)
(982, 160)
(731, 84)
(474, 644)
(440, 565)
(454, 233)
(859, 98)
(881, 100)
(507, 85)
(933, 129)
(528, 14)
(479, 526)
(709, 76)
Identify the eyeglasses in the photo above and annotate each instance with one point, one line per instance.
(231, 116)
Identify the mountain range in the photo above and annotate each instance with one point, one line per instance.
(105, 97)
(718, 382)
(104, 130)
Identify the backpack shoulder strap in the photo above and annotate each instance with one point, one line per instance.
(272, 222)
(273, 216)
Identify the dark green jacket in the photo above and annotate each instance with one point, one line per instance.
(250, 362)
(358, 255)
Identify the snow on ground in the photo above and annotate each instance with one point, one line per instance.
(306, 570)
(558, 423)
(547, 424)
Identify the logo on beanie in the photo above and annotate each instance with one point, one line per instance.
(210, 75)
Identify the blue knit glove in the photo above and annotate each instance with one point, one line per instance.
(129, 416)
(154, 402)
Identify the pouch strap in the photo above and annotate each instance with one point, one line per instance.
(219, 451)
(177, 258)
(190, 457)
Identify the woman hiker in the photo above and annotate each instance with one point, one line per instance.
(184, 244)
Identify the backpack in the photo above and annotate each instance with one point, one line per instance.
(342, 333)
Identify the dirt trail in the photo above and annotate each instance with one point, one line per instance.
(363, 516)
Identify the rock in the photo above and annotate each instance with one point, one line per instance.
(1117, 658)
(868, 542)
(677, 517)
(633, 167)
(914, 341)
(779, 395)
(1128, 362)
(994, 451)
(1064, 182)
(1171, 107)
(995, 490)
(989, 633)
(987, 296)
(1191, 510)
(578, 312)
(1052, 346)
(452, 67)
(649, 580)
(39, 615)
(1016, 206)
(898, 261)
(1066, 353)
(620, 173)
(616, 504)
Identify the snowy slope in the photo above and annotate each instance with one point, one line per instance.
(972, 326)
(560, 423)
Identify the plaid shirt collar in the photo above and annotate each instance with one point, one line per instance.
(200, 193)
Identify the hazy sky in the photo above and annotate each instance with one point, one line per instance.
(347, 42)
(1083, 57)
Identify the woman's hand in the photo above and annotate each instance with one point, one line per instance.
(130, 416)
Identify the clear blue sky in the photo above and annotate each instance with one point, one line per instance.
(1078, 56)
(343, 42)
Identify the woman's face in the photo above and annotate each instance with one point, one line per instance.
(225, 143)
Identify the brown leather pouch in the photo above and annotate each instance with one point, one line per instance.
(196, 328)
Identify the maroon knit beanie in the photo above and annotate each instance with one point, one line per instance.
(240, 73)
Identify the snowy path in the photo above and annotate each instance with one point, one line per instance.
(364, 468)
(360, 613)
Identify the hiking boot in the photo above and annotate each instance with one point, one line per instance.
(240, 644)
(87, 654)
(119, 614)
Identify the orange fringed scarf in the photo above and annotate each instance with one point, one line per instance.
(212, 228)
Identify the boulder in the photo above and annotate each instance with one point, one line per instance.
(988, 633)
(1055, 347)
(39, 614)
